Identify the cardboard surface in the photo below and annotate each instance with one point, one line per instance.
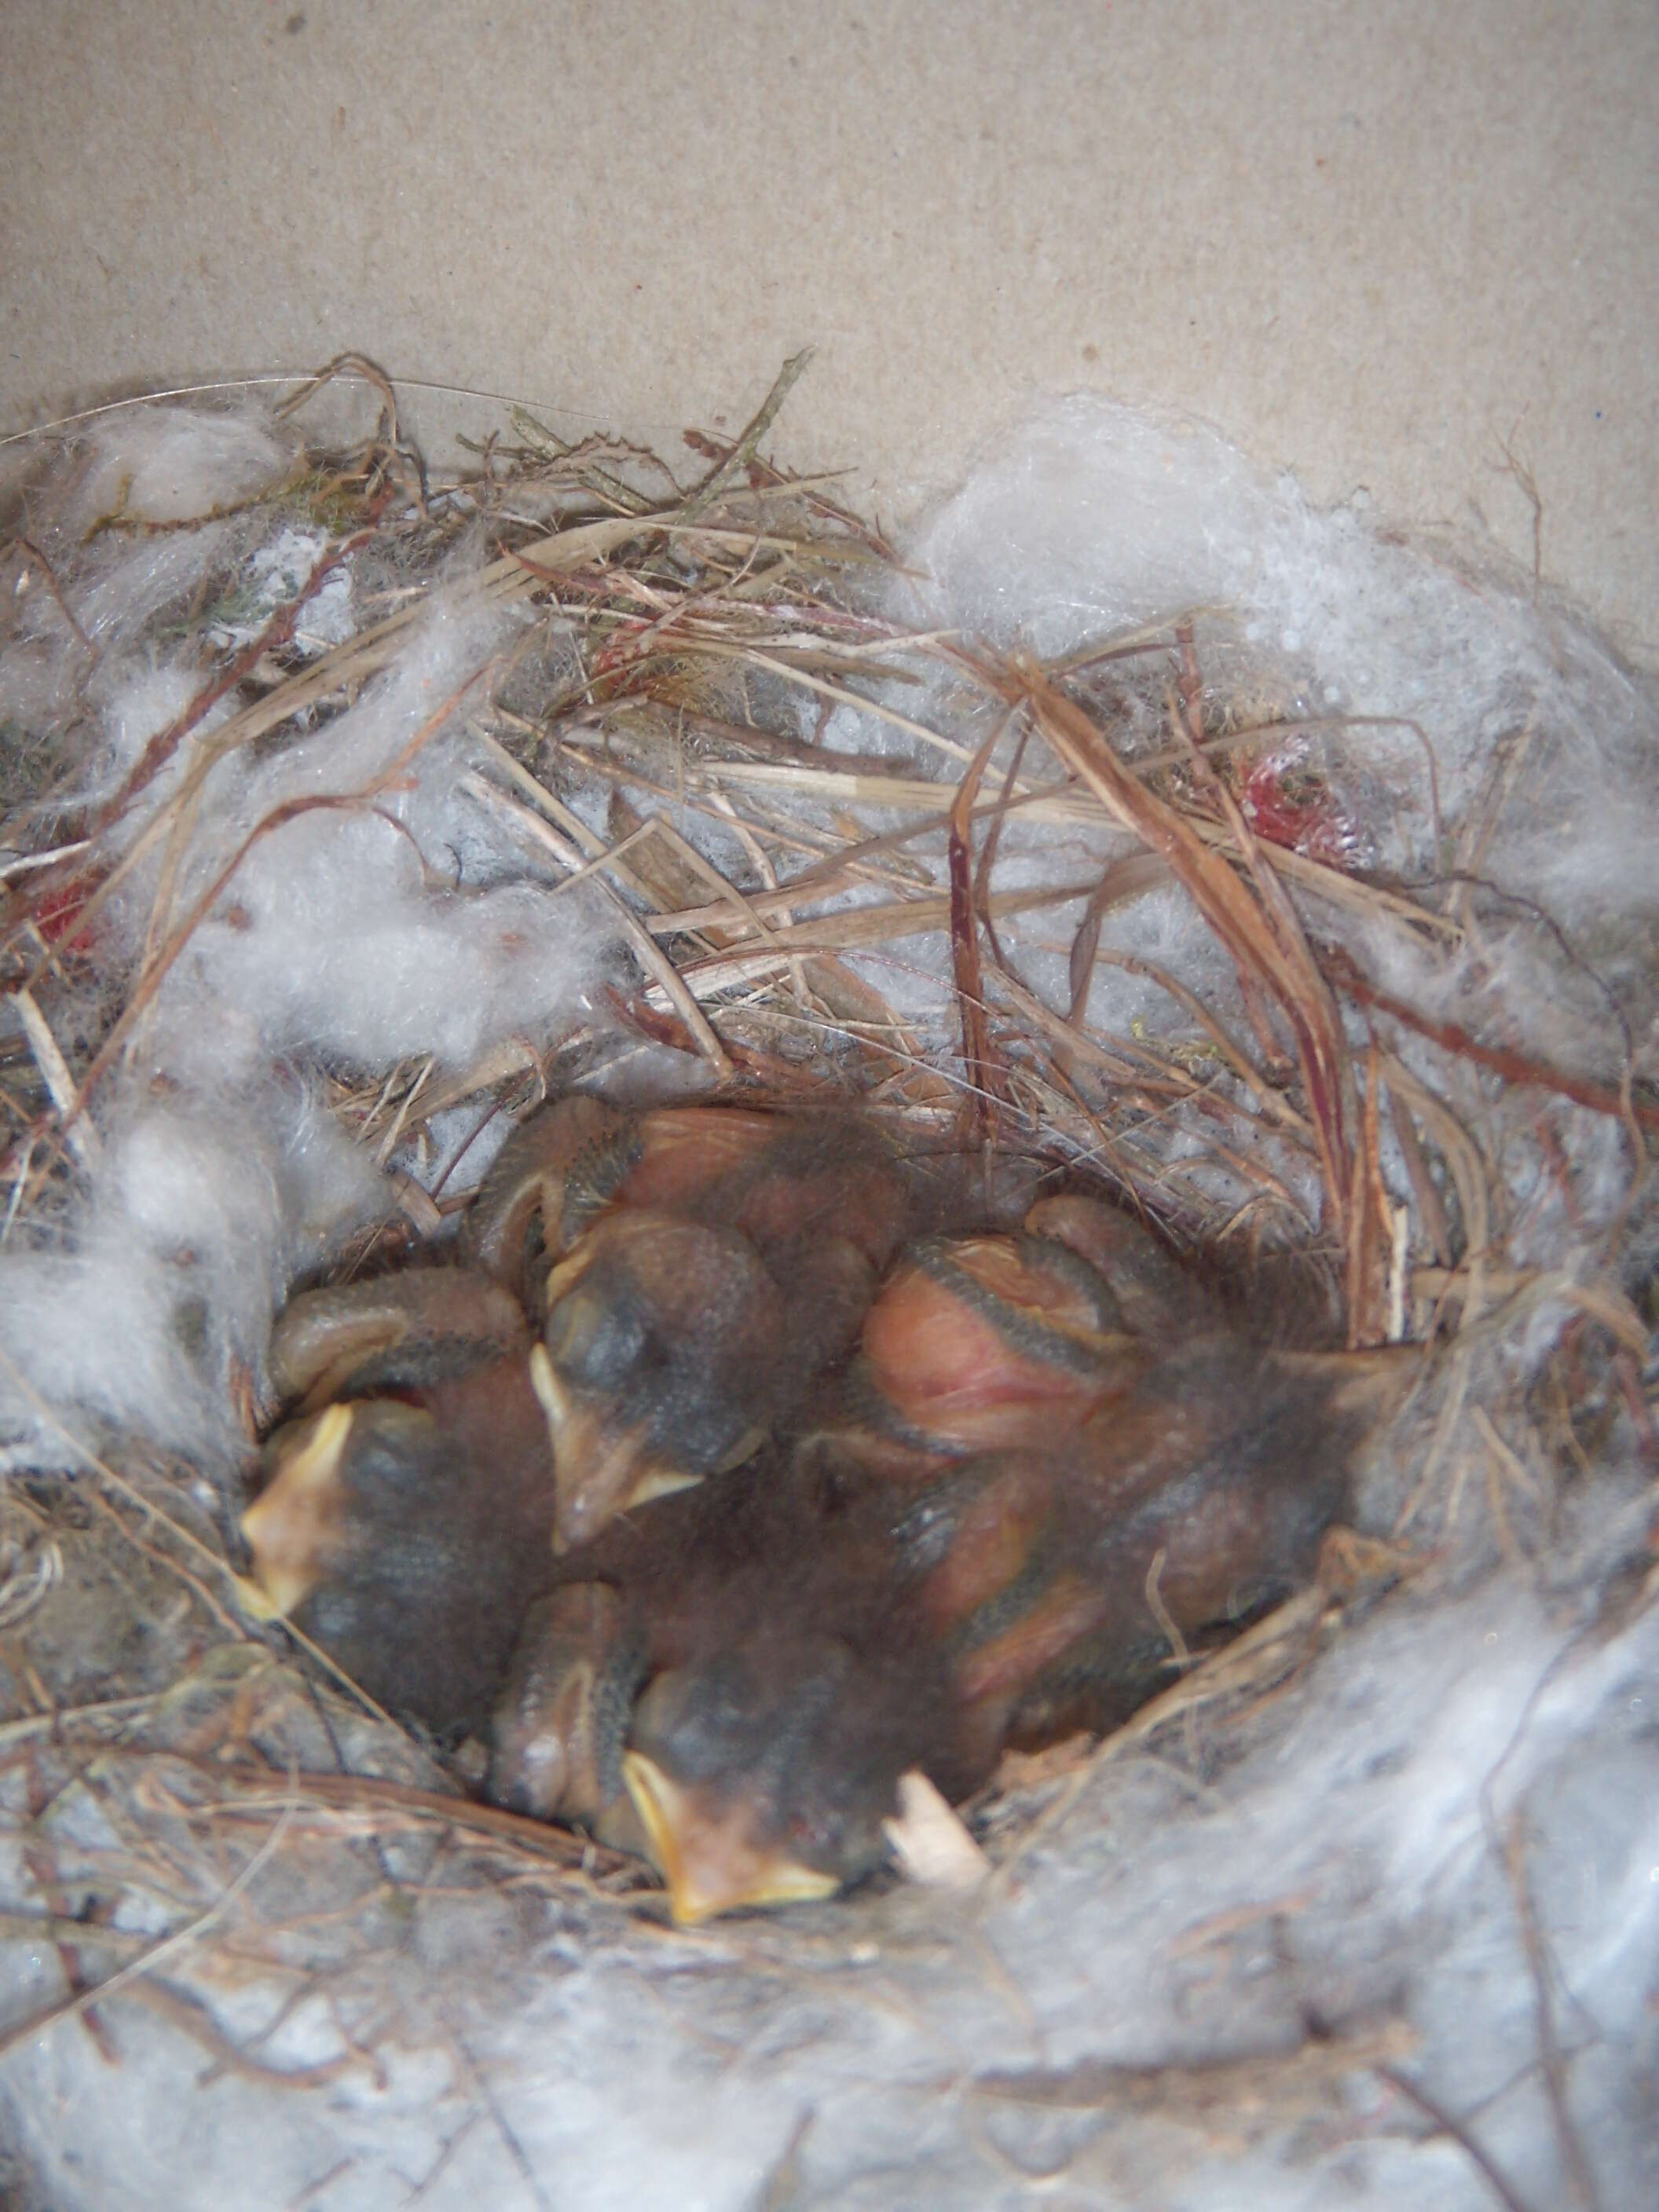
(1385, 245)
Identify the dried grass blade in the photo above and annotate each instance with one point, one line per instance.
(1125, 880)
(1309, 1005)
(1513, 1066)
(79, 1135)
(1264, 953)
(1370, 1224)
(747, 444)
(985, 1071)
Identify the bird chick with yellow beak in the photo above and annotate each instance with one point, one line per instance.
(405, 1513)
(696, 1269)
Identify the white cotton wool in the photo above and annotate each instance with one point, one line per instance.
(104, 513)
(335, 953)
(1332, 1865)
(137, 702)
(919, 2053)
(150, 465)
(1093, 520)
(1090, 523)
(277, 574)
(136, 1323)
(384, 915)
(361, 909)
(126, 581)
(35, 683)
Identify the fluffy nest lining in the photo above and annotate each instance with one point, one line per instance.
(808, 821)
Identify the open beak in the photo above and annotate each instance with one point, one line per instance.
(288, 1528)
(597, 1473)
(709, 1855)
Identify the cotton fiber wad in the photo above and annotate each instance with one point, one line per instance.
(366, 933)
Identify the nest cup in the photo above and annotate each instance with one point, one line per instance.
(1130, 823)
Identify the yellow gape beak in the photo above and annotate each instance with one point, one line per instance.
(710, 1861)
(288, 1528)
(596, 1475)
(551, 1396)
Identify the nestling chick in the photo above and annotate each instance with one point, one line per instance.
(397, 1332)
(777, 1553)
(1066, 1584)
(665, 1359)
(763, 1774)
(696, 1268)
(1012, 1597)
(405, 1526)
(982, 1341)
(1052, 1473)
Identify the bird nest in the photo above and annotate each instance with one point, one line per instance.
(354, 808)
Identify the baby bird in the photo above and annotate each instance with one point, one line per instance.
(764, 1774)
(397, 1332)
(405, 1516)
(664, 1358)
(734, 1690)
(977, 1342)
(694, 1270)
(777, 1506)
(1068, 1584)
(858, 1630)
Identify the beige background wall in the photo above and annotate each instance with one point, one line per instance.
(1379, 242)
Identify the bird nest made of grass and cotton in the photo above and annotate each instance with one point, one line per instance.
(689, 1199)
